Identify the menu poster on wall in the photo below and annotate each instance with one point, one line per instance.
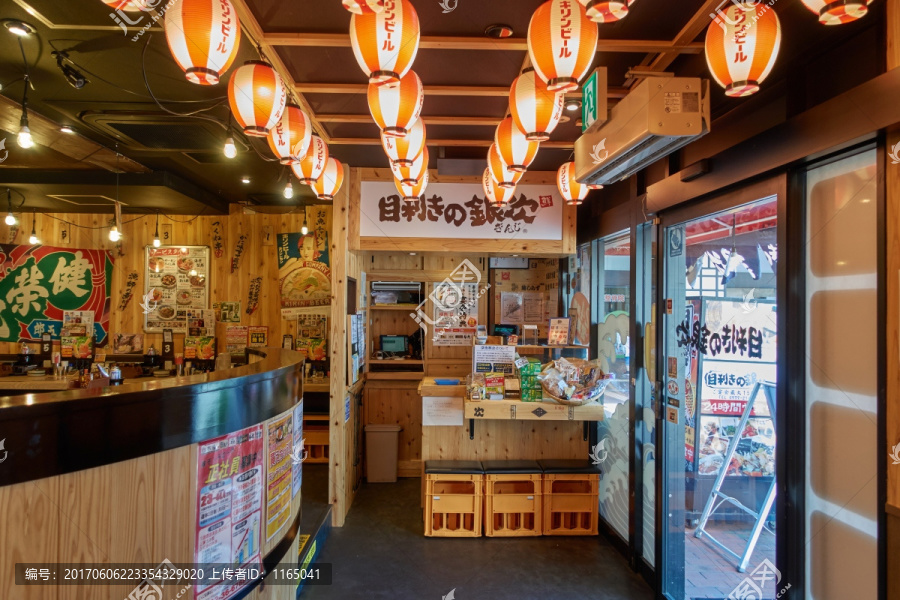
(228, 312)
(278, 474)
(128, 343)
(304, 265)
(176, 279)
(512, 308)
(78, 322)
(455, 313)
(297, 450)
(201, 321)
(228, 529)
(236, 338)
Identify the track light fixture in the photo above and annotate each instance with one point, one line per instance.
(72, 75)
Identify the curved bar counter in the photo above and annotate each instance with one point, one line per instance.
(110, 475)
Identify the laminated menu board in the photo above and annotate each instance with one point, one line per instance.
(77, 346)
(279, 473)
(199, 348)
(176, 279)
(228, 528)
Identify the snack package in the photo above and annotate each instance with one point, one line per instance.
(494, 387)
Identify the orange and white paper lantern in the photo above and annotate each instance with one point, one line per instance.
(134, 5)
(396, 108)
(403, 151)
(741, 47)
(290, 138)
(606, 11)
(413, 192)
(385, 43)
(257, 97)
(313, 164)
(496, 195)
(562, 43)
(364, 7)
(515, 149)
(412, 173)
(837, 12)
(499, 170)
(330, 181)
(535, 110)
(571, 191)
(203, 37)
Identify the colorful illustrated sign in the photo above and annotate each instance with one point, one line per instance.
(297, 451)
(39, 283)
(304, 266)
(228, 530)
(460, 210)
(279, 476)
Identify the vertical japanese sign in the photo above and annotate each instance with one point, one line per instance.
(304, 265)
(39, 283)
(278, 477)
(460, 211)
(229, 506)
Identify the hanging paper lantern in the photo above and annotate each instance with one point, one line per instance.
(606, 11)
(515, 149)
(364, 7)
(313, 164)
(133, 5)
(257, 97)
(203, 37)
(386, 43)
(403, 151)
(837, 12)
(329, 182)
(499, 171)
(412, 173)
(396, 108)
(496, 195)
(562, 42)
(535, 110)
(571, 191)
(289, 139)
(413, 192)
(741, 47)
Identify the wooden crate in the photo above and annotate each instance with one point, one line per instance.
(512, 505)
(453, 505)
(315, 434)
(571, 503)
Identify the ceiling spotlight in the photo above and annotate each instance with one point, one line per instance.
(230, 149)
(245, 180)
(66, 129)
(498, 31)
(20, 28)
(72, 75)
(114, 235)
(572, 105)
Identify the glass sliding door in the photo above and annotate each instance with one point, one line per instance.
(717, 377)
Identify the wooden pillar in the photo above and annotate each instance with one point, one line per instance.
(892, 242)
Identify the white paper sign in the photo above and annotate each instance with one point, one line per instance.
(460, 211)
(441, 410)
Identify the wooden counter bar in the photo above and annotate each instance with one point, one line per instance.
(33, 383)
(110, 475)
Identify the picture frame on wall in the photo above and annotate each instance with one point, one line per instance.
(558, 331)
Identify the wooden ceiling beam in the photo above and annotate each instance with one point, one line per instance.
(471, 91)
(434, 42)
(451, 120)
(447, 143)
(694, 27)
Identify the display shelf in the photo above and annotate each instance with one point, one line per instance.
(403, 307)
(396, 361)
(531, 411)
(316, 387)
(395, 375)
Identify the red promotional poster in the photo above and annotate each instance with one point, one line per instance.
(230, 476)
(38, 283)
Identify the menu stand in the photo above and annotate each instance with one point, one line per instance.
(711, 506)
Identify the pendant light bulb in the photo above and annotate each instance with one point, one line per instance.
(230, 149)
(10, 219)
(24, 138)
(156, 242)
(114, 235)
(288, 191)
(304, 230)
(33, 239)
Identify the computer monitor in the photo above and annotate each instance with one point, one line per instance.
(394, 344)
(506, 330)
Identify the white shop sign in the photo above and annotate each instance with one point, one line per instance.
(460, 211)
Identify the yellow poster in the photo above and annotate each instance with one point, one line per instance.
(278, 475)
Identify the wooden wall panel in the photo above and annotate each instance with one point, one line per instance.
(132, 514)
(398, 403)
(498, 440)
(892, 326)
(29, 528)
(85, 529)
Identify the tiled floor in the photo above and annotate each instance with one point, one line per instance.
(381, 553)
(712, 573)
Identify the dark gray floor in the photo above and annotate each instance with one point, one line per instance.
(314, 496)
(381, 553)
